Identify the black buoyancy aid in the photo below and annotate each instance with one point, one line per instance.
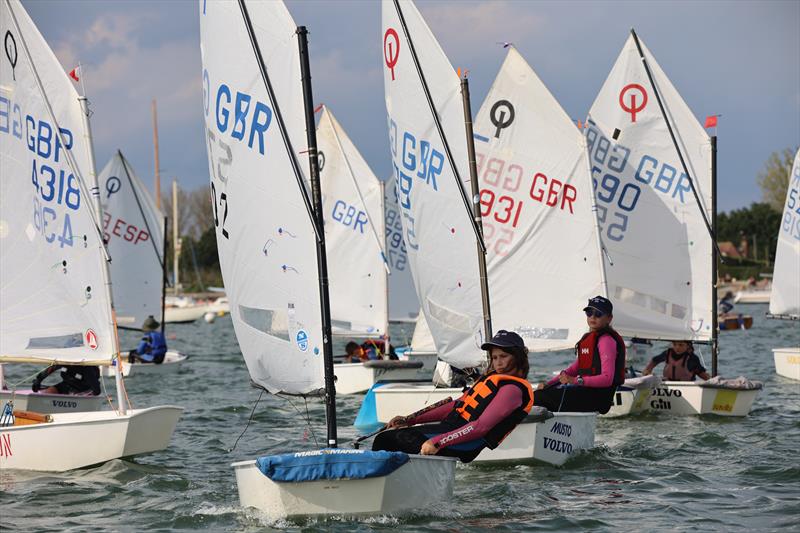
(475, 401)
(589, 363)
(677, 369)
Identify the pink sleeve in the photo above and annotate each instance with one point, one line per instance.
(434, 415)
(571, 370)
(507, 400)
(608, 357)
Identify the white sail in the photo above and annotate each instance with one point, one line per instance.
(785, 297)
(54, 306)
(265, 234)
(659, 251)
(439, 238)
(351, 200)
(537, 205)
(134, 233)
(403, 301)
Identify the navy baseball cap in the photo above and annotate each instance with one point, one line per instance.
(603, 305)
(504, 339)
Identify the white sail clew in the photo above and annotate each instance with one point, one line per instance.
(659, 252)
(438, 232)
(265, 234)
(537, 205)
(351, 199)
(785, 298)
(134, 231)
(54, 305)
(403, 302)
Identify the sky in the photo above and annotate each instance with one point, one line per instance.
(739, 59)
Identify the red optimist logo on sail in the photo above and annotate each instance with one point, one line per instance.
(91, 339)
(391, 49)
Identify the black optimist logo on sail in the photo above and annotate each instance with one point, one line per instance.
(113, 185)
(10, 45)
(321, 159)
(501, 115)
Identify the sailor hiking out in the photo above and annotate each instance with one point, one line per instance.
(153, 346)
(482, 417)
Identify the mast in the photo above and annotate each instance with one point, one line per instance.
(476, 208)
(98, 207)
(385, 260)
(322, 260)
(164, 274)
(176, 240)
(155, 156)
(714, 258)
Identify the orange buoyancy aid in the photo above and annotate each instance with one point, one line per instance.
(475, 401)
(677, 369)
(588, 353)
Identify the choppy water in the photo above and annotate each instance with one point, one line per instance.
(645, 473)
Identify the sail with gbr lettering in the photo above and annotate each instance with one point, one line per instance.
(438, 232)
(134, 231)
(265, 234)
(54, 302)
(537, 206)
(785, 297)
(351, 199)
(659, 252)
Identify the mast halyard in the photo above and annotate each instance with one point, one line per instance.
(322, 259)
(476, 209)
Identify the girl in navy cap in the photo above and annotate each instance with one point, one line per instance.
(482, 417)
(589, 383)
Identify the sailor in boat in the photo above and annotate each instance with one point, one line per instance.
(680, 363)
(153, 346)
(482, 417)
(371, 350)
(726, 304)
(589, 383)
(75, 379)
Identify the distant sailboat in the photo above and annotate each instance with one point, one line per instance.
(271, 241)
(135, 235)
(352, 200)
(55, 302)
(785, 300)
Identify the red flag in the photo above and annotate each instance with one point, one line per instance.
(711, 122)
(74, 74)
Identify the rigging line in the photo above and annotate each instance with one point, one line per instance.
(250, 419)
(675, 143)
(358, 190)
(451, 161)
(67, 151)
(141, 209)
(281, 125)
(307, 417)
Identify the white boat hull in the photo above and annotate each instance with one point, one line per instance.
(357, 378)
(689, 398)
(40, 402)
(787, 362)
(428, 360)
(752, 297)
(528, 441)
(77, 440)
(420, 483)
(629, 401)
(172, 363)
(184, 315)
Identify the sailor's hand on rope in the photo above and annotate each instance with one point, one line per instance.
(397, 422)
(428, 448)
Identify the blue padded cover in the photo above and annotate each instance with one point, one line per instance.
(330, 463)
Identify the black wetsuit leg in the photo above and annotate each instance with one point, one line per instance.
(410, 440)
(575, 399)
